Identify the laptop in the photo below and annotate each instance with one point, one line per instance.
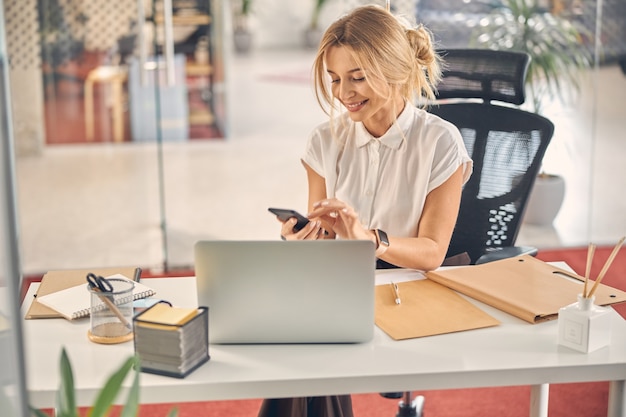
(287, 291)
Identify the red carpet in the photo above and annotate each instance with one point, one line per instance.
(566, 400)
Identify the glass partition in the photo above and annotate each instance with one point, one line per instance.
(106, 90)
(119, 101)
(13, 399)
(584, 149)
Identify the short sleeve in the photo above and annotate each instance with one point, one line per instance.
(314, 154)
(449, 154)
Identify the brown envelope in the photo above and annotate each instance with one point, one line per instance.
(426, 309)
(523, 286)
(54, 281)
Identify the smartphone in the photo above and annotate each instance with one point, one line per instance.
(286, 214)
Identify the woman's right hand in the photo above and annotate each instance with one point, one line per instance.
(311, 231)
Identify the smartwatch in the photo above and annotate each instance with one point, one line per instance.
(382, 242)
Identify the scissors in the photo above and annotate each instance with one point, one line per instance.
(99, 283)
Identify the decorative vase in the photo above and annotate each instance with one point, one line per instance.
(584, 326)
(312, 37)
(242, 39)
(545, 200)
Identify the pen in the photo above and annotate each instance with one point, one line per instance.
(396, 292)
(111, 305)
(103, 288)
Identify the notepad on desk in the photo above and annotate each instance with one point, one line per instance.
(54, 281)
(74, 302)
(165, 317)
(426, 309)
(172, 341)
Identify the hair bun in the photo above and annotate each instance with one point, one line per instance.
(422, 43)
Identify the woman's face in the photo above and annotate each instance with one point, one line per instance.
(364, 103)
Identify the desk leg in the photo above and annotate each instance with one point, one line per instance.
(89, 118)
(118, 111)
(617, 399)
(539, 396)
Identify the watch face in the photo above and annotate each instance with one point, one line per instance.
(382, 237)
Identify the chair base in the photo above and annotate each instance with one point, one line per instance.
(414, 408)
(407, 407)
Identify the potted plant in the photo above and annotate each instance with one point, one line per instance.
(554, 43)
(313, 33)
(242, 36)
(558, 60)
(66, 396)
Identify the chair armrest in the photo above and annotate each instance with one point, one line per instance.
(497, 254)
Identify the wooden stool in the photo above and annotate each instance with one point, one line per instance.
(112, 76)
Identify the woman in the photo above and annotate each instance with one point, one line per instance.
(383, 170)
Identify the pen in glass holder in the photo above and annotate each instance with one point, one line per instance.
(111, 309)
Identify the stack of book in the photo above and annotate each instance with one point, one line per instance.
(172, 341)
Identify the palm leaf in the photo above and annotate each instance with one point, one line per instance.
(111, 388)
(131, 408)
(554, 44)
(66, 397)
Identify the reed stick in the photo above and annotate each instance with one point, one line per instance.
(590, 252)
(606, 266)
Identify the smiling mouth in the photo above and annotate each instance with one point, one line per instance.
(355, 106)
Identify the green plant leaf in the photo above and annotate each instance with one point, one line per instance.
(66, 401)
(131, 408)
(38, 413)
(66, 396)
(317, 10)
(555, 45)
(111, 388)
(245, 7)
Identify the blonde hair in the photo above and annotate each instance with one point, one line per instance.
(385, 49)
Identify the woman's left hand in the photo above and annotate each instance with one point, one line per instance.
(341, 218)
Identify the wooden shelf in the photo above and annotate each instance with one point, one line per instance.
(186, 20)
(201, 118)
(195, 69)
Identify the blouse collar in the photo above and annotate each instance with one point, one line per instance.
(393, 137)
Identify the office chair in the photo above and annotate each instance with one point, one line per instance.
(507, 145)
(477, 94)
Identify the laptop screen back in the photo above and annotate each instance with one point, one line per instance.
(287, 292)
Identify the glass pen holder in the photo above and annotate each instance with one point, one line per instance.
(584, 326)
(111, 313)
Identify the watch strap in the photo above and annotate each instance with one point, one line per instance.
(382, 242)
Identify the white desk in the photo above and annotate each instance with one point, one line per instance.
(514, 353)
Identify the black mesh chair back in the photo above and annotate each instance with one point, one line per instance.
(507, 145)
(483, 74)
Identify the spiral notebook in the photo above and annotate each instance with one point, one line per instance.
(58, 280)
(74, 302)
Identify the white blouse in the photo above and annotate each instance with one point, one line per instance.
(386, 180)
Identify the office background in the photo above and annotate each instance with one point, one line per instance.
(146, 202)
(101, 202)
